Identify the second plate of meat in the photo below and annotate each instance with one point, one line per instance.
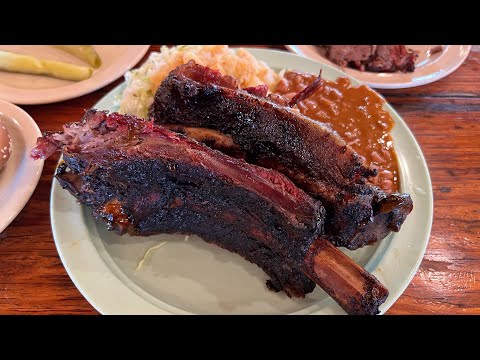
(266, 182)
(392, 69)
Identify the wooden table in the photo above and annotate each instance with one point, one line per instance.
(445, 118)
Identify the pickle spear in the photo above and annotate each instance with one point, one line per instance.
(86, 53)
(31, 65)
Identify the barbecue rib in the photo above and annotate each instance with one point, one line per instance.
(310, 153)
(144, 179)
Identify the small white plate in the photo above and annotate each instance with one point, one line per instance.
(19, 178)
(427, 68)
(196, 277)
(28, 89)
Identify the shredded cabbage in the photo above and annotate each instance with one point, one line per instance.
(143, 82)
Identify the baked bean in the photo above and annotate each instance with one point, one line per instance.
(357, 114)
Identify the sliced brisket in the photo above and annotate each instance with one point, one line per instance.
(376, 58)
(350, 55)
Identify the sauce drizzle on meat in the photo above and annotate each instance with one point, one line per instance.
(357, 114)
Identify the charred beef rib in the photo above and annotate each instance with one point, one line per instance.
(143, 179)
(310, 153)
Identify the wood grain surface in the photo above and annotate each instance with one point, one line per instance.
(445, 119)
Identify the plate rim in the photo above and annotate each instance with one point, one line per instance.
(386, 85)
(148, 307)
(70, 91)
(23, 119)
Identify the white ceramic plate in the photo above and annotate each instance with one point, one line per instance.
(191, 276)
(34, 89)
(19, 178)
(427, 68)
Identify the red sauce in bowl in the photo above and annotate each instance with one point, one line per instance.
(357, 114)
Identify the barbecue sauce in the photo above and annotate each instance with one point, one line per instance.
(117, 219)
(357, 114)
